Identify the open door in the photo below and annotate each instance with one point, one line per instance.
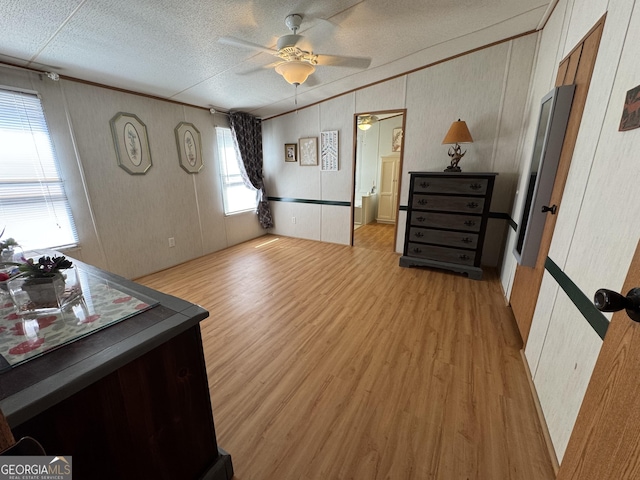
(576, 69)
(604, 444)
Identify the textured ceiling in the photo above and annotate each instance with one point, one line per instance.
(170, 48)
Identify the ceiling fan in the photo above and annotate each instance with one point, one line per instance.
(295, 64)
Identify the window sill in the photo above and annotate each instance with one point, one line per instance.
(240, 212)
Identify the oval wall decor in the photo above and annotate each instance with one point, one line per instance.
(189, 147)
(131, 143)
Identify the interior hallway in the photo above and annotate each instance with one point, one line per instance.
(332, 362)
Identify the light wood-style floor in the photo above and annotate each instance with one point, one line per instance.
(375, 236)
(332, 362)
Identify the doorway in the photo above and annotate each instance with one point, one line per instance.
(379, 138)
(575, 69)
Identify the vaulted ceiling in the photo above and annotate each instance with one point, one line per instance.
(171, 49)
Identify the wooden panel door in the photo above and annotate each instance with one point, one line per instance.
(387, 204)
(576, 69)
(604, 444)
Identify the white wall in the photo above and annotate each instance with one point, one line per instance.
(124, 221)
(487, 88)
(367, 159)
(596, 232)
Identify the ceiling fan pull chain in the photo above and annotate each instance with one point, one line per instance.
(296, 95)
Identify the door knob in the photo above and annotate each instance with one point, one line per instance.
(610, 301)
(553, 209)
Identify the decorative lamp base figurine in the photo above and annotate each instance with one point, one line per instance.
(456, 155)
(458, 133)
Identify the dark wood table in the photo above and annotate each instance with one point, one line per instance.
(130, 401)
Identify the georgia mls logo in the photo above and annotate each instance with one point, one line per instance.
(35, 468)
(62, 467)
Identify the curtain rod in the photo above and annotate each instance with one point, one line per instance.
(55, 77)
(214, 112)
(52, 75)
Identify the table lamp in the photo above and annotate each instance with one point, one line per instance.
(458, 133)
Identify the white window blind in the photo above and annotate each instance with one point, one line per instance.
(235, 195)
(33, 205)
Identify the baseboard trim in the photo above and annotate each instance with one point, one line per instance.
(543, 421)
(505, 298)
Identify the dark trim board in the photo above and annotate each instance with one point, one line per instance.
(504, 216)
(596, 319)
(402, 208)
(314, 202)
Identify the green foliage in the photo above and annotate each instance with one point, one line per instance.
(9, 242)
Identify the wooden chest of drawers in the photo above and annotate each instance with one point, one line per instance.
(447, 220)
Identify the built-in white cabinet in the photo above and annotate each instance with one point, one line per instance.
(388, 193)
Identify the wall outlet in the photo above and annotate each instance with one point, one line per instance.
(293, 219)
(172, 242)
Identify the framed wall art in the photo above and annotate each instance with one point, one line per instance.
(189, 147)
(396, 140)
(290, 152)
(308, 151)
(329, 150)
(131, 143)
(631, 110)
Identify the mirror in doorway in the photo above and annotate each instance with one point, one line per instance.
(552, 124)
(376, 185)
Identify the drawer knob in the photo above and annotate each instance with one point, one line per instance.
(417, 250)
(424, 184)
(472, 205)
(466, 240)
(464, 257)
(418, 234)
(420, 219)
(422, 201)
(475, 186)
(469, 223)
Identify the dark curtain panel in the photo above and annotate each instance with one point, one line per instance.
(247, 137)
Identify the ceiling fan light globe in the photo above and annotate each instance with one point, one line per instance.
(295, 72)
(365, 121)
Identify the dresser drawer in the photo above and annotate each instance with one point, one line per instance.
(452, 239)
(471, 186)
(448, 204)
(443, 254)
(469, 223)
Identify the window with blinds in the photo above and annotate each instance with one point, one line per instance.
(236, 196)
(33, 205)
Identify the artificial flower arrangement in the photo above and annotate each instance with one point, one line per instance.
(46, 267)
(41, 282)
(7, 248)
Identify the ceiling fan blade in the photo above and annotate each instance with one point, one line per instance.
(236, 42)
(340, 61)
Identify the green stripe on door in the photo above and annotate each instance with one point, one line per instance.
(595, 317)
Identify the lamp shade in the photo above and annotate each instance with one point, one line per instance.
(458, 133)
(295, 72)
